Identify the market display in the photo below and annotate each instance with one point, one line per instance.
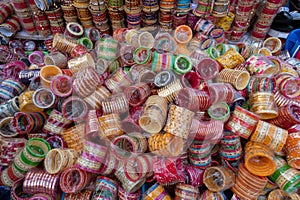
(148, 99)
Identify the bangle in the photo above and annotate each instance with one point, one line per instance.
(61, 86)
(207, 68)
(78, 63)
(43, 98)
(17, 191)
(27, 103)
(74, 137)
(107, 48)
(137, 94)
(117, 104)
(73, 180)
(100, 95)
(219, 111)
(262, 104)
(122, 194)
(56, 141)
(238, 78)
(47, 73)
(86, 42)
(127, 54)
(10, 147)
(156, 191)
(56, 58)
(184, 119)
(162, 61)
(12, 68)
(230, 59)
(28, 122)
(193, 100)
(163, 78)
(110, 126)
(242, 122)
(142, 55)
(164, 42)
(37, 57)
(273, 44)
(105, 188)
(183, 34)
(259, 160)
(77, 114)
(6, 130)
(170, 91)
(118, 82)
(38, 148)
(74, 30)
(56, 123)
(182, 65)
(186, 191)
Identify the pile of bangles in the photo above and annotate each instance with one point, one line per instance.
(150, 114)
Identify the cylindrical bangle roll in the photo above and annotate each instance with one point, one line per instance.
(47, 73)
(170, 91)
(28, 122)
(259, 159)
(56, 123)
(110, 126)
(61, 86)
(10, 107)
(10, 147)
(137, 94)
(156, 191)
(43, 98)
(74, 108)
(56, 58)
(118, 82)
(287, 116)
(74, 137)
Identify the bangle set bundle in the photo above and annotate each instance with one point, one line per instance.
(113, 107)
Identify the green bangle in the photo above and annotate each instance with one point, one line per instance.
(221, 48)
(183, 64)
(18, 168)
(42, 149)
(26, 161)
(138, 54)
(292, 185)
(218, 116)
(212, 52)
(85, 41)
(278, 172)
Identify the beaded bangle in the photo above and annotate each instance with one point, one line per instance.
(259, 159)
(74, 108)
(183, 117)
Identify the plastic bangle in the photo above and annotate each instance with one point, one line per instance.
(86, 42)
(43, 98)
(74, 114)
(61, 86)
(183, 64)
(74, 30)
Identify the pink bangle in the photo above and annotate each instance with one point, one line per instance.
(36, 57)
(61, 85)
(191, 80)
(12, 69)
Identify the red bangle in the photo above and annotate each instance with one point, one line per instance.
(61, 85)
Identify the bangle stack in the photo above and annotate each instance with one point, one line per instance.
(191, 80)
(57, 160)
(9, 108)
(81, 64)
(38, 181)
(168, 171)
(292, 147)
(170, 91)
(280, 194)
(47, 73)
(118, 82)
(261, 84)
(200, 154)
(258, 64)
(86, 81)
(286, 177)
(185, 191)
(242, 122)
(238, 78)
(63, 44)
(110, 126)
(74, 137)
(9, 148)
(6, 130)
(218, 179)
(27, 103)
(127, 55)
(259, 159)
(117, 104)
(73, 180)
(248, 185)
(274, 138)
(165, 144)
(211, 130)
(164, 61)
(56, 123)
(28, 122)
(137, 94)
(156, 191)
(154, 115)
(123, 195)
(61, 86)
(124, 146)
(183, 117)
(56, 58)
(10, 88)
(55, 17)
(105, 188)
(43, 98)
(107, 48)
(97, 97)
(74, 108)
(230, 147)
(219, 92)
(194, 100)
(207, 68)
(262, 104)
(10, 27)
(287, 116)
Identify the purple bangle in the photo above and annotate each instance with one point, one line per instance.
(12, 69)
(36, 57)
(74, 108)
(61, 85)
